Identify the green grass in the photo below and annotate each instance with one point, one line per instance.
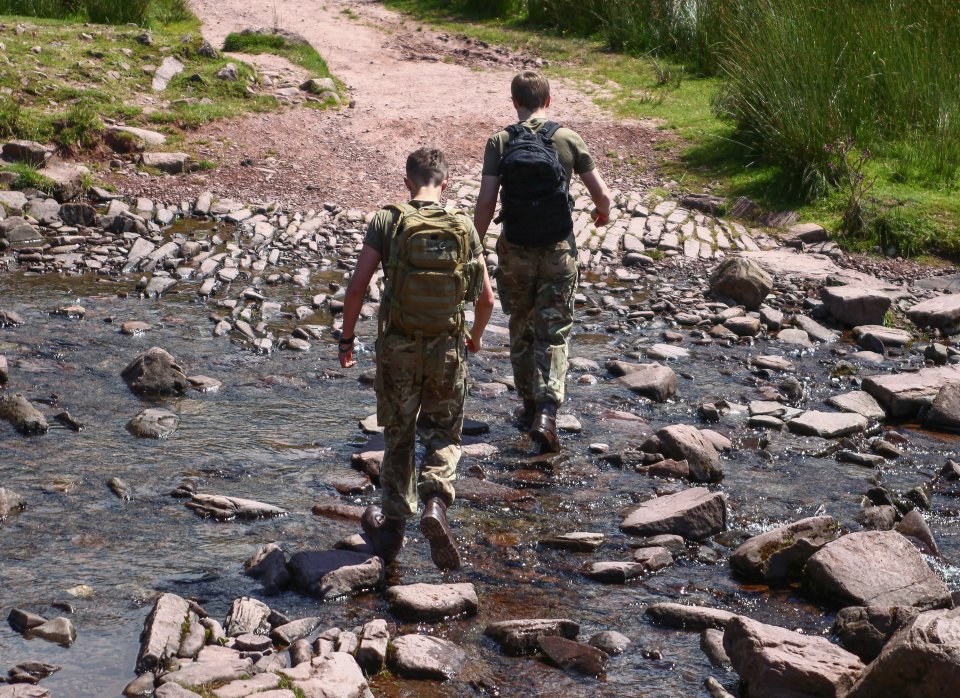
(298, 52)
(142, 12)
(29, 177)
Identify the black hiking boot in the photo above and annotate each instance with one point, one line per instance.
(386, 535)
(544, 429)
(523, 417)
(433, 524)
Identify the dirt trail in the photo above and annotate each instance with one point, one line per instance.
(409, 87)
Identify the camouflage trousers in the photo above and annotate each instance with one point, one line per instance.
(421, 385)
(536, 286)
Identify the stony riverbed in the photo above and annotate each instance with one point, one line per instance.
(725, 382)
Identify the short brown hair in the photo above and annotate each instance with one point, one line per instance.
(531, 89)
(427, 167)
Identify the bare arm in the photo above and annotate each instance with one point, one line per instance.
(367, 264)
(600, 195)
(482, 310)
(486, 203)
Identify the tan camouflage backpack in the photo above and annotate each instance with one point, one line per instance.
(431, 273)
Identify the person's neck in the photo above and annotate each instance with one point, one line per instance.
(427, 194)
(524, 114)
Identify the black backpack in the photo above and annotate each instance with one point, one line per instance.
(535, 202)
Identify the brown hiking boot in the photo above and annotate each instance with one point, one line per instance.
(443, 546)
(544, 429)
(523, 417)
(386, 535)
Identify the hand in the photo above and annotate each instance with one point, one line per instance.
(473, 345)
(345, 353)
(600, 219)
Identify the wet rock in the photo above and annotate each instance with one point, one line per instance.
(716, 689)
(309, 567)
(10, 503)
(944, 413)
(685, 442)
(859, 402)
(120, 488)
(868, 336)
(649, 380)
(372, 654)
(915, 528)
(153, 423)
(695, 514)
(856, 305)
(160, 639)
(827, 425)
(922, 660)
(247, 616)
(426, 657)
(653, 558)
(289, 633)
(140, 687)
(485, 492)
(333, 508)
(349, 578)
(875, 568)
(8, 318)
(432, 602)
(155, 372)
(134, 328)
(711, 642)
(864, 630)
(815, 330)
(686, 617)
(269, 565)
(615, 571)
(780, 554)
(743, 326)
(940, 312)
(23, 690)
(791, 335)
(58, 630)
(369, 462)
(903, 394)
(774, 661)
(24, 417)
(611, 642)
(225, 508)
(4, 370)
(519, 637)
(742, 280)
(572, 655)
(22, 621)
(578, 541)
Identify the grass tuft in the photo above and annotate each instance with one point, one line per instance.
(294, 48)
(29, 177)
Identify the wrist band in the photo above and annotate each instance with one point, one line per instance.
(348, 342)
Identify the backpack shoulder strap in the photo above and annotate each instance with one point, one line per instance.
(399, 211)
(549, 129)
(514, 130)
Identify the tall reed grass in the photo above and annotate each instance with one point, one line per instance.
(801, 74)
(99, 11)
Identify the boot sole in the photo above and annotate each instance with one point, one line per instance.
(442, 548)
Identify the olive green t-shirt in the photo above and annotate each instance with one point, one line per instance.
(384, 221)
(571, 150)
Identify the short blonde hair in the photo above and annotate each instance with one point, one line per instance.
(530, 89)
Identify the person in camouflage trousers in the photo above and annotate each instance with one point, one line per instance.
(536, 283)
(421, 377)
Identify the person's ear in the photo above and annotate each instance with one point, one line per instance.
(516, 104)
(407, 183)
(443, 184)
(547, 103)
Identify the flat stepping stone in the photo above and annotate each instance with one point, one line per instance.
(432, 602)
(773, 363)
(890, 336)
(615, 571)
(426, 657)
(575, 656)
(225, 508)
(792, 335)
(568, 423)
(653, 558)
(696, 513)
(687, 617)
(827, 425)
(859, 402)
(942, 312)
(478, 491)
(667, 352)
(903, 394)
(578, 541)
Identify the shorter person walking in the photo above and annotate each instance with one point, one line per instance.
(433, 264)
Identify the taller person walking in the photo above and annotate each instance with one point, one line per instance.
(530, 164)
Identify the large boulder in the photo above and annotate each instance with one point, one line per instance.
(780, 554)
(941, 312)
(774, 661)
(695, 513)
(856, 305)
(903, 394)
(742, 280)
(685, 442)
(922, 660)
(155, 372)
(827, 425)
(864, 630)
(875, 568)
(162, 631)
(432, 602)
